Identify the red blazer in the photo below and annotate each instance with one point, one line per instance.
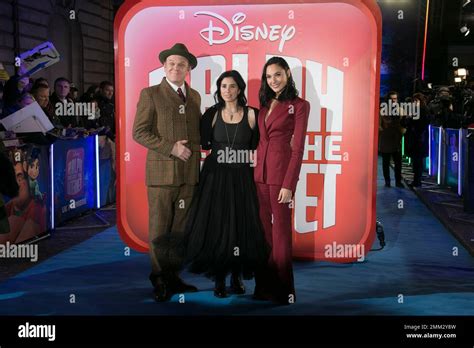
(278, 162)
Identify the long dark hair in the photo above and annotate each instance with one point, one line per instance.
(241, 99)
(266, 93)
(421, 97)
(34, 155)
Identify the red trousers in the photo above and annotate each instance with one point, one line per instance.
(277, 279)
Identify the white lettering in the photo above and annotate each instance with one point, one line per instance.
(37, 331)
(217, 35)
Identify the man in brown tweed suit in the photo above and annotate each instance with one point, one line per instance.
(167, 123)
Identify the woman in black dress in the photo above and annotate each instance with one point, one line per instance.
(224, 233)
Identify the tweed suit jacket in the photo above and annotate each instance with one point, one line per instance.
(161, 120)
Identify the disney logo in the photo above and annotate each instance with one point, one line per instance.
(224, 30)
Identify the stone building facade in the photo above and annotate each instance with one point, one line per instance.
(81, 30)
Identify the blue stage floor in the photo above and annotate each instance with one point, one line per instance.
(417, 263)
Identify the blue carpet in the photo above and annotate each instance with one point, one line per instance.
(97, 278)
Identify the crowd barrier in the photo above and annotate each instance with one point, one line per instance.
(451, 161)
(57, 183)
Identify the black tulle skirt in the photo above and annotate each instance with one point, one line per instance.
(224, 233)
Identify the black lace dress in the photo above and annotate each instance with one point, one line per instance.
(224, 233)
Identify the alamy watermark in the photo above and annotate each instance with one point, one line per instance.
(19, 251)
(408, 109)
(28, 330)
(344, 251)
(232, 156)
(89, 110)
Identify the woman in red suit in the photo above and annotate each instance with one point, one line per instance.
(282, 123)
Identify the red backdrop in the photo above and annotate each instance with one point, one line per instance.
(333, 48)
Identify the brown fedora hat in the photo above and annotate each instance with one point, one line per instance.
(178, 49)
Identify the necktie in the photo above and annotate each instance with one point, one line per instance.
(181, 95)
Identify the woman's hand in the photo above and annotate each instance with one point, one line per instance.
(284, 196)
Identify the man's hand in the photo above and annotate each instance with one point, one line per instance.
(284, 196)
(181, 151)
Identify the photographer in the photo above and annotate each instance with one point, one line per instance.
(435, 105)
(466, 106)
(442, 110)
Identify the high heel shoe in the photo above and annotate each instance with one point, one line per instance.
(220, 290)
(236, 284)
